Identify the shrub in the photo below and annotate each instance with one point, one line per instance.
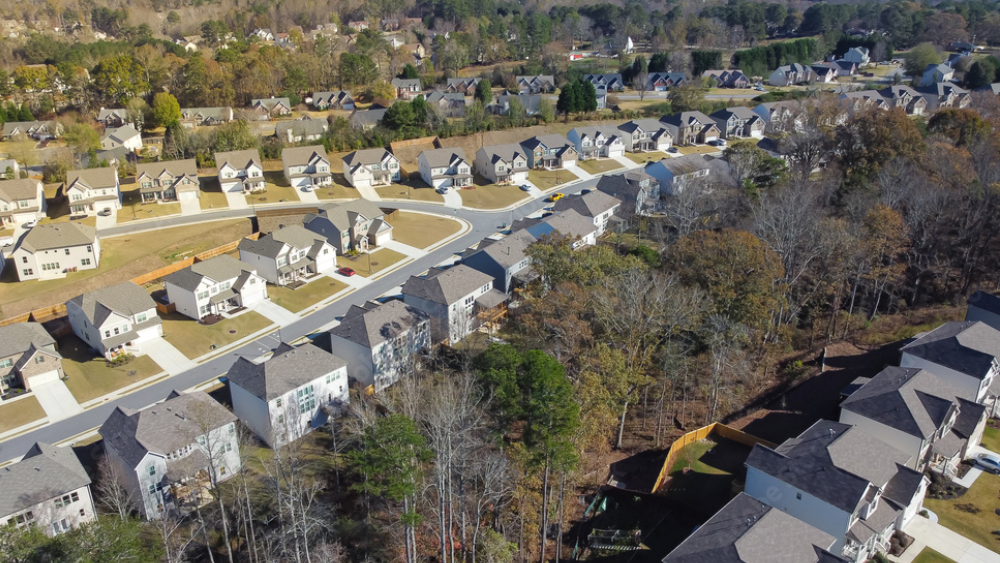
(121, 360)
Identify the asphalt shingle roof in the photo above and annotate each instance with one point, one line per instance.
(125, 298)
(22, 188)
(288, 369)
(45, 472)
(93, 178)
(966, 347)
(446, 286)
(58, 235)
(16, 338)
(270, 245)
(370, 325)
(220, 268)
(507, 251)
(589, 204)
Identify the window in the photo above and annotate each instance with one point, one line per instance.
(202, 295)
(107, 334)
(152, 489)
(83, 512)
(67, 251)
(39, 359)
(152, 470)
(85, 261)
(50, 266)
(140, 318)
(229, 446)
(281, 419)
(116, 331)
(24, 259)
(222, 470)
(201, 440)
(798, 496)
(6, 363)
(277, 402)
(329, 377)
(232, 429)
(28, 272)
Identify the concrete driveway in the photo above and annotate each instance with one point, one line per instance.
(190, 206)
(166, 356)
(452, 199)
(946, 542)
(274, 312)
(368, 193)
(107, 221)
(308, 196)
(56, 400)
(237, 200)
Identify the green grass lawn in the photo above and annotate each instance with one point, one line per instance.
(972, 514)
(690, 457)
(381, 260)
(644, 157)
(296, 300)
(194, 339)
(599, 166)
(20, 412)
(211, 194)
(703, 473)
(545, 179)
(410, 191)
(491, 196)
(420, 230)
(89, 376)
(991, 439)
(928, 555)
(276, 190)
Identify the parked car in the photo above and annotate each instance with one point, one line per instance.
(442, 190)
(718, 143)
(673, 150)
(556, 196)
(989, 462)
(106, 212)
(29, 224)
(525, 187)
(6, 241)
(345, 271)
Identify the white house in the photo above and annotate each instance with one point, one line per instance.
(28, 357)
(115, 320)
(93, 191)
(445, 168)
(643, 135)
(48, 489)
(603, 141)
(306, 166)
(371, 167)
(269, 107)
(290, 394)
(674, 174)
(170, 454)
(454, 298)
(503, 164)
(21, 201)
(51, 251)
(240, 171)
(788, 75)
(594, 204)
(935, 73)
(214, 286)
(125, 136)
(858, 55)
(288, 255)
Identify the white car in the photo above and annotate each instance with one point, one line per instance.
(29, 224)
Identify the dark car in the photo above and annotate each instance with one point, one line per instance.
(345, 271)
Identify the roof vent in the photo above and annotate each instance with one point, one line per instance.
(832, 432)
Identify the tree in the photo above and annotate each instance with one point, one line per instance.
(119, 79)
(356, 69)
(705, 60)
(196, 84)
(173, 17)
(874, 137)
(398, 116)
(659, 62)
(410, 72)
(944, 28)
(233, 136)
(31, 79)
(82, 138)
(962, 126)
(686, 97)
(166, 110)
(752, 167)
(380, 89)
(640, 83)
(484, 92)
(919, 57)
(982, 73)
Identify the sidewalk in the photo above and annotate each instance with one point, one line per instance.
(946, 542)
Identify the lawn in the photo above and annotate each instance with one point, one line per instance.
(644, 157)
(381, 259)
(273, 192)
(90, 377)
(58, 211)
(972, 513)
(600, 166)
(491, 196)
(411, 191)
(546, 179)
(16, 414)
(700, 149)
(703, 473)
(211, 194)
(928, 555)
(195, 340)
(336, 191)
(421, 230)
(133, 209)
(296, 300)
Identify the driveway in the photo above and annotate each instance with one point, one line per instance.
(308, 196)
(237, 200)
(166, 356)
(276, 313)
(627, 162)
(452, 199)
(946, 542)
(190, 206)
(107, 221)
(368, 193)
(56, 400)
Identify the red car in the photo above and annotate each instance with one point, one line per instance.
(345, 271)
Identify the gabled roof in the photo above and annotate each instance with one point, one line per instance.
(550, 140)
(288, 369)
(910, 400)
(437, 96)
(120, 113)
(125, 298)
(218, 269)
(93, 178)
(55, 236)
(175, 168)
(121, 134)
(370, 325)
(589, 204)
(367, 117)
(568, 223)
(366, 157)
(293, 156)
(507, 251)
(966, 347)
(681, 165)
(17, 338)
(331, 97)
(738, 112)
(406, 83)
(240, 160)
(442, 158)
(506, 153)
(270, 103)
(985, 301)
(446, 286)
(45, 472)
(303, 127)
(344, 215)
(687, 118)
(270, 245)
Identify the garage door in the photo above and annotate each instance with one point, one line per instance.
(618, 152)
(43, 378)
(187, 195)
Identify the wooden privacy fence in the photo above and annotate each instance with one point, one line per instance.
(413, 142)
(699, 435)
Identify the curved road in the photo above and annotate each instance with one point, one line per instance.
(483, 224)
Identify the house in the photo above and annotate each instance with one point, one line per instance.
(263, 34)
(48, 489)
(530, 103)
(214, 286)
(782, 116)
(537, 84)
(747, 530)
(271, 107)
(170, 454)
(858, 56)
(846, 68)
(863, 100)
(661, 81)
(288, 395)
(465, 86)
(301, 130)
(188, 46)
(638, 192)
(288, 255)
(919, 414)
(240, 171)
(9, 169)
(353, 225)
(417, 50)
(28, 358)
(447, 104)
(610, 82)
(379, 341)
(406, 88)
(168, 180)
(113, 117)
(602, 98)
(445, 168)
(933, 74)
(327, 30)
(728, 78)
(38, 130)
(367, 119)
(594, 204)
(825, 73)
(691, 127)
(358, 25)
(904, 98)
(93, 191)
(787, 75)
(124, 136)
(739, 123)
(945, 95)
(115, 320)
(503, 164)
(204, 117)
(458, 300)
(598, 141)
(49, 251)
(339, 99)
(371, 167)
(21, 201)
(569, 223)
(550, 151)
(675, 174)
(965, 354)
(984, 307)
(841, 480)
(306, 167)
(644, 135)
(504, 259)
(964, 46)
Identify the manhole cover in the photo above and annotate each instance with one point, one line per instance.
(232, 332)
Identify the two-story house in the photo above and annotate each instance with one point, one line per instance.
(662, 81)
(862, 101)
(291, 393)
(935, 73)
(456, 299)
(338, 99)
(288, 255)
(28, 357)
(644, 135)
(169, 455)
(168, 180)
(610, 82)
(537, 84)
(113, 117)
(945, 95)
(550, 151)
(116, 319)
(126, 136)
(638, 192)
(214, 286)
(569, 223)
(592, 203)
(691, 128)
(306, 166)
(600, 141)
(371, 167)
(206, 117)
(788, 75)
(354, 225)
(734, 78)
(240, 171)
(739, 123)
(842, 480)
(301, 130)
(502, 258)
(37, 130)
(445, 168)
(447, 104)
(271, 107)
(503, 164)
(675, 174)
(462, 85)
(51, 251)
(21, 201)
(858, 55)
(905, 98)
(49, 489)
(379, 342)
(406, 88)
(93, 191)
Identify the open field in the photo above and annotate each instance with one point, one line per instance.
(195, 340)
(296, 300)
(971, 514)
(89, 376)
(422, 231)
(379, 260)
(20, 412)
(484, 195)
(122, 258)
(547, 179)
(600, 166)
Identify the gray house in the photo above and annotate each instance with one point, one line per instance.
(674, 174)
(301, 130)
(340, 99)
(354, 225)
(984, 307)
(28, 356)
(505, 259)
(288, 255)
(48, 488)
(639, 192)
(458, 300)
(368, 118)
